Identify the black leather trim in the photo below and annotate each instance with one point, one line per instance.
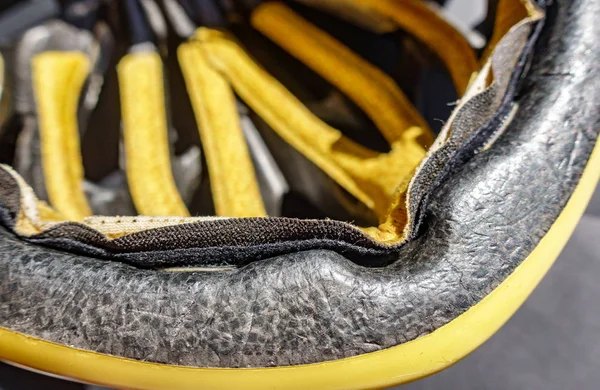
(317, 305)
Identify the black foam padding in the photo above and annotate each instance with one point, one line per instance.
(314, 306)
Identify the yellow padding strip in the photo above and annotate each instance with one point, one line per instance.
(371, 89)
(58, 78)
(362, 172)
(145, 133)
(421, 21)
(233, 181)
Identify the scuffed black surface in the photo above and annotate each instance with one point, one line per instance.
(316, 305)
(552, 342)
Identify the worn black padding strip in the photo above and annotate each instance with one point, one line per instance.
(446, 162)
(316, 305)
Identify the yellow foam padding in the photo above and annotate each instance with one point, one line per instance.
(372, 90)
(145, 135)
(58, 79)
(426, 24)
(393, 366)
(364, 173)
(233, 181)
(48, 214)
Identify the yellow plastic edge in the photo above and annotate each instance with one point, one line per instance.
(396, 365)
(145, 136)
